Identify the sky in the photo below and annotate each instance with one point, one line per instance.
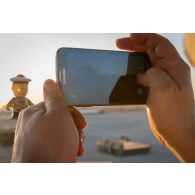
(34, 56)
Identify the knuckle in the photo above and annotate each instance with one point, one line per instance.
(52, 116)
(30, 112)
(56, 114)
(187, 69)
(25, 112)
(153, 72)
(167, 85)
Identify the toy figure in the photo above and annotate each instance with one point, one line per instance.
(20, 90)
(122, 146)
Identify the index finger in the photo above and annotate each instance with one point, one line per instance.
(81, 124)
(78, 118)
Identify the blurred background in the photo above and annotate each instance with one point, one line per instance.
(34, 56)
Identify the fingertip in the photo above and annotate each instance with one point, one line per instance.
(49, 80)
(81, 151)
(124, 43)
(50, 85)
(118, 43)
(141, 79)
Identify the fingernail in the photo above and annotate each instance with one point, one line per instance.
(81, 151)
(50, 85)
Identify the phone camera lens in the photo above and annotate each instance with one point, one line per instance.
(140, 91)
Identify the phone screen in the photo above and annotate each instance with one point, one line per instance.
(98, 77)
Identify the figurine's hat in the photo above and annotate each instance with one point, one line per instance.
(20, 79)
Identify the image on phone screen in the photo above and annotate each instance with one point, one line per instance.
(97, 77)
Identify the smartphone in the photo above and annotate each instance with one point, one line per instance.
(101, 77)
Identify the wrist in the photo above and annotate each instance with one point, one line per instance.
(183, 147)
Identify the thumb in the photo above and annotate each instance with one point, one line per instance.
(53, 97)
(156, 78)
(143, 79)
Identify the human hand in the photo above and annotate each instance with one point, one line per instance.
(49, 131)
(170, 104)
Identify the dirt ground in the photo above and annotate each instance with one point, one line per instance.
(109, 123)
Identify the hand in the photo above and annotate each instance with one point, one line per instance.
(170, 105)
(49, 131)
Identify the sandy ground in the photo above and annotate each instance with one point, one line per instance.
(111, 123)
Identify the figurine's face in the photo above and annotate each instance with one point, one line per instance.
(20, 89)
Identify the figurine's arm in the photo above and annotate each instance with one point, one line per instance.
(9, 104)
(29, 102)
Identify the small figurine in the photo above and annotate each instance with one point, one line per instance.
(20, 90)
